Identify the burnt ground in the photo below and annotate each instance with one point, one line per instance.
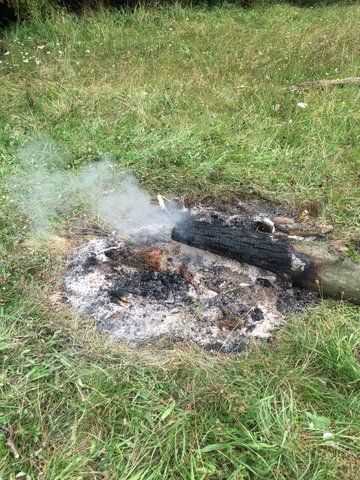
(152, 288)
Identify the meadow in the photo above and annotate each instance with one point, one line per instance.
(194, 101)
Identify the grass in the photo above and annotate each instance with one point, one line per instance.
(193, 101)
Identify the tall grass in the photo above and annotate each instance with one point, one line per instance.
(199, 96)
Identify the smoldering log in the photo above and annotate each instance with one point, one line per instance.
(309, 264)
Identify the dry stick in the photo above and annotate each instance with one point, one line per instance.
(9, 435)
(326, 83)
(10, 443)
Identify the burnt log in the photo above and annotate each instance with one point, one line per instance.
(308, 264)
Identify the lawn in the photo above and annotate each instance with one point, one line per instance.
(193, 101)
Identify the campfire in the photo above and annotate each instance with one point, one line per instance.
(216, 277)
(152, 289)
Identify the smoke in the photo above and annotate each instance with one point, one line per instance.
(45, 188)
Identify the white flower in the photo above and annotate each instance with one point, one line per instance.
(327, 435)
(7, 53)
(26, 60)
(41, 47)
(302, 105)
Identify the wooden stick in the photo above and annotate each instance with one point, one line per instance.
(9, 435)
(326, 83)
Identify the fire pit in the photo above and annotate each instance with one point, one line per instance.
(148, 288)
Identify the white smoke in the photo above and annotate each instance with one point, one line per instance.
(45, 189)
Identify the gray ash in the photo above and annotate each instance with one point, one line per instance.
(178, 293)
(152, 290)
(295, 300)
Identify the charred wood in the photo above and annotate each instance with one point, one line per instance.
(308, 264)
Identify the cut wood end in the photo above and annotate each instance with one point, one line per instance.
(264, 224)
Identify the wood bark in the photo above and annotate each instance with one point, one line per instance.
(308, 264)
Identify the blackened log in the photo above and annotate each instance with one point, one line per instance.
(307, 264)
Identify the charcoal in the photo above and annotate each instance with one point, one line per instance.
(257, 314)
(90, 262)
(264, 282)
(150, 285)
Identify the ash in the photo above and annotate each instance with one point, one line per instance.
(148, 291)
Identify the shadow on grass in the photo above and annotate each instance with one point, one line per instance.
(9, 13)
(317, 3)
(78, 5)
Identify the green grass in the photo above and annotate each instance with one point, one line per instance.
(194, 101)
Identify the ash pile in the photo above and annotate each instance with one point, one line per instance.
(149, 289)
